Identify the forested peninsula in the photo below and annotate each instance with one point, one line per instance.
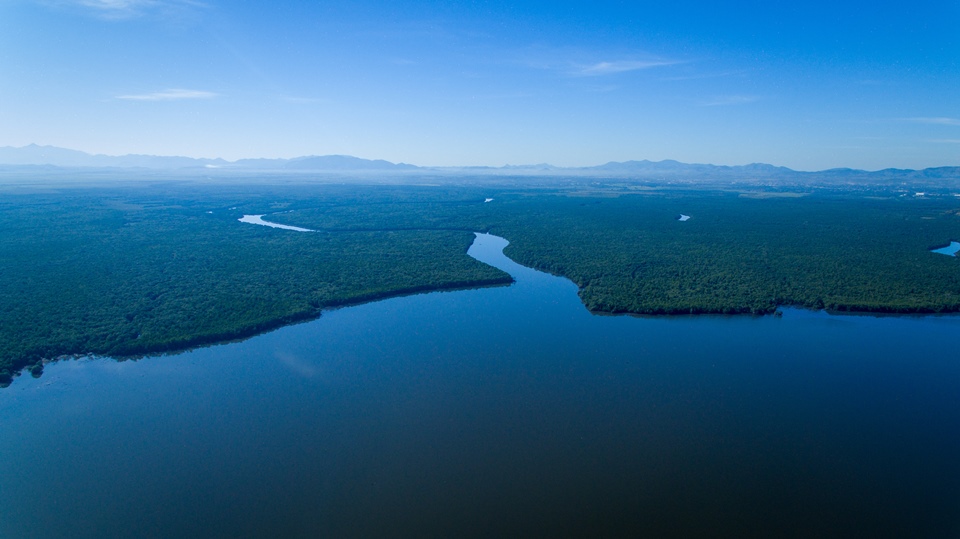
(126, 271)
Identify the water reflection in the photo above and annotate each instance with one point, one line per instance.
(500, 411)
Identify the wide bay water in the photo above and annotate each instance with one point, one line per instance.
(500, 411)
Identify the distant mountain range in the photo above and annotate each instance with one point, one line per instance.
(667, 170)
(62, 157)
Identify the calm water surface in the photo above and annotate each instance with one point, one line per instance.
(949, 250)
(501, 411)
(258, 220)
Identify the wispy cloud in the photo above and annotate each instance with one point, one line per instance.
(935, 121)
(305, 100)
(700, 76)
(174, 94)
(602, 88)
(618, 66)
(727, 100)
(946, 140)
(126, 9)
(577, 62)
(495, 96)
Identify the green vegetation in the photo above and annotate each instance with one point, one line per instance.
(125, 273)
(131, 271)
(744, 254)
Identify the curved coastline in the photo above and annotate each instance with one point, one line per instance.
(836, 309)
(35, 367)
(839, 309)
(523, 369)
(242, 334)
(773, 309)
(307, 316)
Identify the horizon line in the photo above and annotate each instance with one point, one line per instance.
(404, 163)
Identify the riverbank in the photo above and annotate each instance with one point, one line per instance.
(241, 334)
(401, 417)
(123, 272)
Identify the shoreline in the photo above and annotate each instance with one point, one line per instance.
(243, 334)
(835, 309)
(35, 367)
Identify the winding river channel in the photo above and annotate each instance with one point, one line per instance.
(500, 411)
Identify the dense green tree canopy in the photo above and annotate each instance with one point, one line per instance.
(131, 271)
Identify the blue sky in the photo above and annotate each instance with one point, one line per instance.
(809, 85)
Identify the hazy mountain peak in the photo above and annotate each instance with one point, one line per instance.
(667, 169)
(33, 154)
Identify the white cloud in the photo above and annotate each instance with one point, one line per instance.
(494, 96)
(125, 9)
(619, 66)
(576, 62)
(726, 100)
(602, 88)
(946, 140)
(936, 121)
(115, 5)
(305, 100)
(700, 76)
(173, 94)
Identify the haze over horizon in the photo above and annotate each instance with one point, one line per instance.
(34, 154)
(805, 86)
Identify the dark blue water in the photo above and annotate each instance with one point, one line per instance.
(501, 411)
